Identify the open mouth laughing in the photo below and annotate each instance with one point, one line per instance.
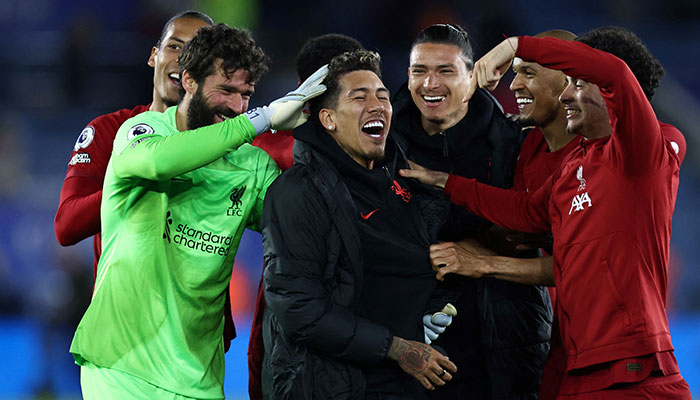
(374, 129)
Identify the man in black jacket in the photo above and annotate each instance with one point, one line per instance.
(346, 244)
(500, 338)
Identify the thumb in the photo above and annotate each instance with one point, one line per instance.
(415, 166)
(409, 173)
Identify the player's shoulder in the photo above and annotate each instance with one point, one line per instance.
(149, 123)
(117, 118)
(675, 139)
(294, 182)
(104, 128)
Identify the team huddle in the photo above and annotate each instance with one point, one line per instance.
(418, 243)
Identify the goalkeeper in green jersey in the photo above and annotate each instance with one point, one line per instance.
(179, 190)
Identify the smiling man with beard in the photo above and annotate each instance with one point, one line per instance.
(179, 190)
(346, 241)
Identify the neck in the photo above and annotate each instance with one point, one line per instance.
(157, 103)
(181, 115)
(363, 162)
(432, 127)
(601, 130)
(555, 134)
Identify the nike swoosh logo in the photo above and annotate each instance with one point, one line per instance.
(366, 217)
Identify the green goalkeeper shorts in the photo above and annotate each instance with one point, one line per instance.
(111, 384)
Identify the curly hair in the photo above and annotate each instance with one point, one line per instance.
(318, 51)
(358, 60)
(627, 46)
(235, 47)
(448, 34)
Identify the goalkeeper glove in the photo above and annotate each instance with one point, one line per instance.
(287, 112)
(434, 325)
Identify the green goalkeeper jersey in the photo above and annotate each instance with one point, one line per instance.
(174, 207)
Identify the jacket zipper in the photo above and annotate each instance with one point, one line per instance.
(445, 153)
(388, 175)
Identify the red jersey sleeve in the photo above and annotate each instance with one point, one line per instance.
(78, 214)
(518, 210)
(279, 146)
(639, 145)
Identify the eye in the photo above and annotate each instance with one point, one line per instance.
(417, 71)
(175, 47)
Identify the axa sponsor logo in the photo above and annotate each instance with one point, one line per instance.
(236, 202)
(85, 138)
(196, 239)
(80, 158)
(579, 201)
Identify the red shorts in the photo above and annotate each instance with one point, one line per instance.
(671, 387)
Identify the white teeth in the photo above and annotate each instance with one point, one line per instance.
(434, 98)
(570, 111)
(523, 100)
(224, 117)
(373, 124)
(175, 76)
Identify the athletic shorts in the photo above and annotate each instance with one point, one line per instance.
(99, 383)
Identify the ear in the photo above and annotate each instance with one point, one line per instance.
(327, 118)
(188, 82)
(152, 59)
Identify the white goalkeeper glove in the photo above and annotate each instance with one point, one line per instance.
(434, 325)
(287, 112)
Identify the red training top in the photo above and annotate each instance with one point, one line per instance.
(609, 207)
(78, 214)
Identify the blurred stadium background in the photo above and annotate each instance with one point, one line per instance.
(66, 62)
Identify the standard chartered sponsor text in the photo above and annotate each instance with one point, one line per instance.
(207, 242)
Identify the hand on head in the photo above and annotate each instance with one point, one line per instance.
(490, 68)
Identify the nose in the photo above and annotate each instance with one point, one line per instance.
(237, 103)
(376, 106)
(516, 83)
(567, 95)
(431, 81)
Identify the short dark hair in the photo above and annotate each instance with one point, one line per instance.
(358, 60)
(184, 14)
(448, 34)
(318, 51)
(629, 48)
(235, 47)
